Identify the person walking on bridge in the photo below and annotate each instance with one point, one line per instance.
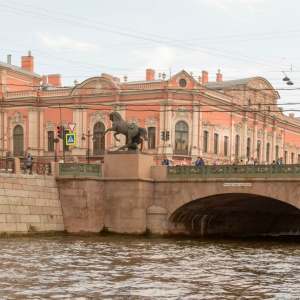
(29, 160)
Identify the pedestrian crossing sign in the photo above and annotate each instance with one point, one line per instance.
(70, 139)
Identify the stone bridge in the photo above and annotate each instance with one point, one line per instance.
(134, 196)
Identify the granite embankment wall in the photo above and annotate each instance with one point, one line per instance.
(29, 203)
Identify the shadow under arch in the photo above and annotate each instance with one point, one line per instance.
(237, 215)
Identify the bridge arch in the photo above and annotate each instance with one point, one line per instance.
(237, 214)
(260, 206)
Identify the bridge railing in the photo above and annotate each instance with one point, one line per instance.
(78, 169)
(38, 167)
(235, 171)
(7, 165)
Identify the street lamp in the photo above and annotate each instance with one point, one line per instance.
(88, 144)
(55, 141)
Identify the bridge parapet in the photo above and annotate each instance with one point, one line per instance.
(235, 171)
(78, 169)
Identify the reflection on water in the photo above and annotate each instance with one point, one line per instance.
(141, 268)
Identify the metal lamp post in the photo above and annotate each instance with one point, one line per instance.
(55, 156)
(88, 144)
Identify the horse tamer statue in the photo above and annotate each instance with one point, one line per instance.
(134, 134)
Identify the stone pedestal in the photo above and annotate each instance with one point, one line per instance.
(128, 165)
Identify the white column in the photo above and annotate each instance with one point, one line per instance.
(195, 129)
(169, 127)
(273, 144)
(42, 132)
(161, 126)
(200, 133)
(32, 129)
(264, 156)
(5, 131)
(232, 158)
(255, 139)
(244, 145)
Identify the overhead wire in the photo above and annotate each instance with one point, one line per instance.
(139, 37)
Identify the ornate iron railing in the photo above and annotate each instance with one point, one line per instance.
(78, 169)
(235, 171)
(39, 167)
(7, 165)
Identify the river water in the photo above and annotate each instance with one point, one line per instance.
(114, 267)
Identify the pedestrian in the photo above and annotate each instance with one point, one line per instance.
(250, 161)
(29, 160)
(199, 161)
(165, 161)
(183, 162)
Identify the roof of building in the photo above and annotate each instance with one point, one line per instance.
(18, 69)
(144, 81)
(228, 83)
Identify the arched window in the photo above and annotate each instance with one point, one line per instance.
(98, 139)
(151, 137)
(237, 146)
(268, 153)
(181, 138)
(248, 147)
(18, 137)
(50, 140)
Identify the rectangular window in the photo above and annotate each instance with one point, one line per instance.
(225, 145)
(151, 137)
(50, 140)
(292, 158)
(298, 158)
(205, 141)
(216, 143)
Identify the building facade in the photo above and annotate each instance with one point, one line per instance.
(219, 120)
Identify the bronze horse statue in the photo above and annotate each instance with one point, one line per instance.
(134, 134)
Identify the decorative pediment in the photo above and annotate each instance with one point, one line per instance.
(50, 126)
(238, 127)
(17, 118)
(182, 80)
(259, 84)
(98, 117)
(260, 134)
(263, 86)
(206, 125)
(226, 131)
(217, 128)
(182, 112)
(151, 121)
(270, 136)
(134, 120)
(278, 139)
(95, 86)
(250, 131)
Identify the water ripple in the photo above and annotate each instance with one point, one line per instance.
(139, 268)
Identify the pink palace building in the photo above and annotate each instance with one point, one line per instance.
(219, 120)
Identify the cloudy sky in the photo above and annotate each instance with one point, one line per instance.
(82, 39)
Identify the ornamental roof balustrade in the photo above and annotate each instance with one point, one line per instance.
(50, 93)
(234, 171)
